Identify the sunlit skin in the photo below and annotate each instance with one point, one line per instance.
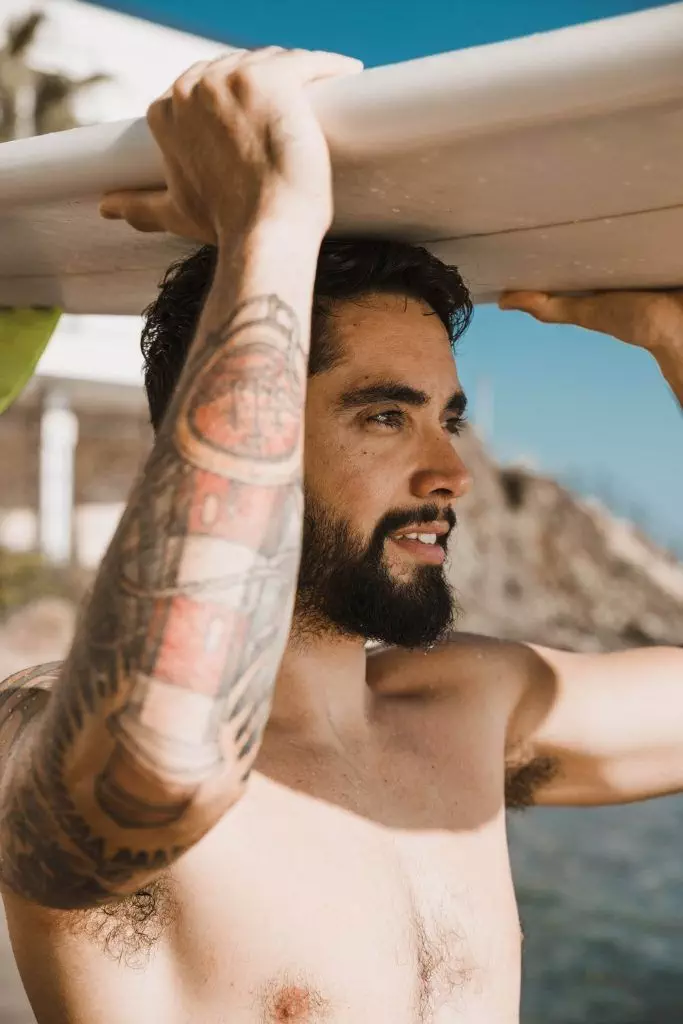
(360, 872)
(365, 461)
(386, 454)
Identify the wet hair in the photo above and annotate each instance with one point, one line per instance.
(347, 269)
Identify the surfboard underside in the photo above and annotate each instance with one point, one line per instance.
(550, 163)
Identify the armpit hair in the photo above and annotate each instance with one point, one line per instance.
(127, 930)
(522, 781)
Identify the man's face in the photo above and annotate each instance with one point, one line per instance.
(381, 464)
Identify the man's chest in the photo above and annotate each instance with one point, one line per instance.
(299, 909)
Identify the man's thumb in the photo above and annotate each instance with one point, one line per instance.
(144, 210)
(549, 309)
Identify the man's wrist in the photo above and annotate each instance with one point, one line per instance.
(281, 225)
(278, 255)
(281, 245)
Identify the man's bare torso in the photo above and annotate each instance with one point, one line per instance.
(369, 884)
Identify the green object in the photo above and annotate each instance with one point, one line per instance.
(24, 334)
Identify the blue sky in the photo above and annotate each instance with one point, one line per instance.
(577, 405)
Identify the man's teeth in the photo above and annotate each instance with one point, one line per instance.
(425, 538)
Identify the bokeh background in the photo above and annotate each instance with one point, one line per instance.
(572, 536)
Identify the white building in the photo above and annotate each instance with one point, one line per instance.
(91, 369)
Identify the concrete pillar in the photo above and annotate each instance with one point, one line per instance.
(58, 440)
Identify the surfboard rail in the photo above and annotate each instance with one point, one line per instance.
(545, 161)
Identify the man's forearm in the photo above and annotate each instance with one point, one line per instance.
(160, 710)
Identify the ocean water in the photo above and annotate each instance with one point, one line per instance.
(601, 902)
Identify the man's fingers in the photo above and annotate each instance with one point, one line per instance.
(154, 210)
(299, 66)
(312, 65)
(183, 86)
(144, 211)
(639, 318)
(551, 309)
(159, 110)
(547, 308)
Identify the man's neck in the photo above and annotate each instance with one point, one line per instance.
(321, 692)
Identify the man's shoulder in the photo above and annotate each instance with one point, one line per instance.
(461, 664)
(474, 682)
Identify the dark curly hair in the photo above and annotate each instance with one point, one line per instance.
(347, 269)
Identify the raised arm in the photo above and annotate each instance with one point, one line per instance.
(612, 723)
(155, 718)
(649, 320)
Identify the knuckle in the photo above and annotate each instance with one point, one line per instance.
(245, 82)
(263, 53)
(184, 85)
(197, 67)
(181, 91)
(211, 83)
(156, 114)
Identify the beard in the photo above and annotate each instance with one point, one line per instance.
(345, 586)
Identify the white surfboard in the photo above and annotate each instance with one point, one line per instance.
(552, 162)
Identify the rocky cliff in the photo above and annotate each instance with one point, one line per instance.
(532, 561)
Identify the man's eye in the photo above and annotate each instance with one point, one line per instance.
(391, 418)
(456, 425)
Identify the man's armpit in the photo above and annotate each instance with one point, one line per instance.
(523, 781)
(22, 697)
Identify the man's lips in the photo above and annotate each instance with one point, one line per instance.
(439, 528)
(433, 554)
(432, 551)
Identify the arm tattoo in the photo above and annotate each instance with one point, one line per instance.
(169, 681)
(22, 696)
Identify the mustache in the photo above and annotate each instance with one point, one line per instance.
(398, 518)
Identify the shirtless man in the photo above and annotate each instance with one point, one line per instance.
(220, 808)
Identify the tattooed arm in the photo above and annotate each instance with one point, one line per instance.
(156, 716)
(158, 712)
(22, 697)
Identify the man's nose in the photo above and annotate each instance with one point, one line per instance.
(441, 473)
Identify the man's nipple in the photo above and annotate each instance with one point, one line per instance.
(296, 1004)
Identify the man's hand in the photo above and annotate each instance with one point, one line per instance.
(649, 320)
(240, 144)
(645, 319)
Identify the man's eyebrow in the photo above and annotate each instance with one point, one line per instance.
(393, 391)
(387, 391)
